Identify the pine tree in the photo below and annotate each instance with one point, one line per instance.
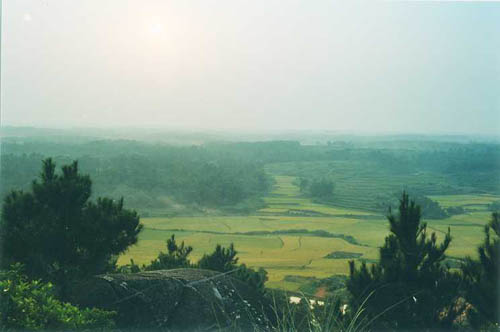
(58, 233)
(482, 278)
(222, 259)
(175, 257)
(410, 287)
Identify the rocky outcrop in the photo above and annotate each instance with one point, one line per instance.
(175, 300)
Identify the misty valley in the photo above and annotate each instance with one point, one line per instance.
(249, 166)
(296, 216)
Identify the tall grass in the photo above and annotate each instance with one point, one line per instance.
(329, 316)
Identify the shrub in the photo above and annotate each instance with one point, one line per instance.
(222, 259)
(494, 206)
(225, 260)
(32, 305)
(175, 257)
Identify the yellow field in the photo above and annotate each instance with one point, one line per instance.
(302, 253)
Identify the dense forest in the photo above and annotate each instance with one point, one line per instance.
(149, 176)
(161, 179)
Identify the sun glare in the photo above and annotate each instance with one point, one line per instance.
(156, 27)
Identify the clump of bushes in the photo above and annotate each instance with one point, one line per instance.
(175, 257)
(225, 260)
(343, 255)
(428, 208)
(319, 189)
(454, 210)
(222, 259)
(494, 206)
(32, 305)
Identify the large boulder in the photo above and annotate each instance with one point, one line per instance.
(175, 300)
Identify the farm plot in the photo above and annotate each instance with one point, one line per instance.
(294, 236)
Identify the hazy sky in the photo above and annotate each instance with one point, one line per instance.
(422, 67)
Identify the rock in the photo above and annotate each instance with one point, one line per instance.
(175, 300)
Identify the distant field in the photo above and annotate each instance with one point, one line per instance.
(363, 184)
(284, 241)
(474, 202)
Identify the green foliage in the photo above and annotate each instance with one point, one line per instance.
(321, 189)
(481, 278)
(175, 257)
(174, 179)
(32, 305)
(408, 288)
(309, 315)
(58, 234)
(256, 279)
(429, 208)
(128, 268)
(222, 259)
(311, 285)
(453, 210)
(366, 176)
(494, 206)
(167, 180)
(303, 185)
(343, 254)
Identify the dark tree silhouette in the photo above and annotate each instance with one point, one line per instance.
(409, 288)
(175, 257)
(58, 234)
(222, 259)
(482, 278)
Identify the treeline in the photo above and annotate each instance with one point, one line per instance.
(153, 176)
(319, 189)
(430, 209)
(232, 176)
(450, 158)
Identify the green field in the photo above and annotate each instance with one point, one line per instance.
(284, 241)
(364, 184)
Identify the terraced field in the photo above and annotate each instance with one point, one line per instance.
(292, 235)
(364, 184)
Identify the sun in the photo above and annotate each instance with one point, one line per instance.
(156, 27)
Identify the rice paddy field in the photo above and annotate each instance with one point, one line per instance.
(292, 236)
